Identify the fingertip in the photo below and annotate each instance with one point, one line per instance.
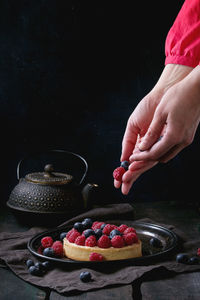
(124, 157)
(125, 189)
(117, 184)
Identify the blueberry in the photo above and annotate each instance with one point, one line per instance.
(63, 235)
(193, 260)
(33, 270)
(87, 223)
(88, 232)
(40, 267)
(125, 164)
(154, 242)
(85, 276)
(102, 226)
(98, 233)
(182, 258)
(46, 265)
(114, 232)
(79, 226)
(48, 252)
(29, 263)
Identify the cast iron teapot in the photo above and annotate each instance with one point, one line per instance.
(50, 192)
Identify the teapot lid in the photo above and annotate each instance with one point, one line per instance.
(49, 177)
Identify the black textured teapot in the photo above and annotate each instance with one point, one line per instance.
(50, 192)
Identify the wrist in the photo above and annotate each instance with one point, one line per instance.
(192, 83)
(171, 75)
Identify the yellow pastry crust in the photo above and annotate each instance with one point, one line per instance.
(82, 253)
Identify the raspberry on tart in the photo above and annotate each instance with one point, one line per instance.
(108, 228)
(130, 238)
(122, 228)
(72, 237)
(97, 225)
(117, 241)
(91, 241)
(129, 229)
(80, 240)
(96, 257)
(102, 241)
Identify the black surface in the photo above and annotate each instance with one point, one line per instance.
(71, 73)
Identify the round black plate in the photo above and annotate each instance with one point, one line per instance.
(145, 231)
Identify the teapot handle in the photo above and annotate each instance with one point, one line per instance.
(58, 151)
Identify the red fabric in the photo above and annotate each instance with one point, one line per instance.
(183, 40)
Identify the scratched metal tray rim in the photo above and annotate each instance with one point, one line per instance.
(145, 231)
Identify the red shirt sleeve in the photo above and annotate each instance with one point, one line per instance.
(183, 40)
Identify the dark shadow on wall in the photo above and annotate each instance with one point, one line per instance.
(71, 73)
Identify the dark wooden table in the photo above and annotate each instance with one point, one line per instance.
(180, 287)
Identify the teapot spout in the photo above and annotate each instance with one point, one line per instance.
(88, 193)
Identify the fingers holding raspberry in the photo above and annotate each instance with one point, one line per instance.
(119, 172)
(126, 178)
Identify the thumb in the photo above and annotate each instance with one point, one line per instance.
(153, 133)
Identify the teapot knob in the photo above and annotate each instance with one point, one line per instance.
(48, 169)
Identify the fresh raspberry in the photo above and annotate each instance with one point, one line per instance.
(114, 226)
(58, 248)
(118, 173)
(74, 234)
(107, 229)
(122, 228)
(97, 225)
(69, 232)
(96, 256)
(104, 242)
(129, 229)
(198, 251)
(117, 241)
(94, 223)
(91, 241)
(130, 238)
(80, 240)
(47, 241)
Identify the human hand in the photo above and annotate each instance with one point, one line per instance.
(179, 112)
(139, 122)
(141, 118)
(136, 168)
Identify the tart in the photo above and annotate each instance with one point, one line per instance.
(99, 241)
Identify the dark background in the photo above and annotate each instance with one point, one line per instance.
(71, 72)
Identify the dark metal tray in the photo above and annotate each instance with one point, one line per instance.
(146, 231)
